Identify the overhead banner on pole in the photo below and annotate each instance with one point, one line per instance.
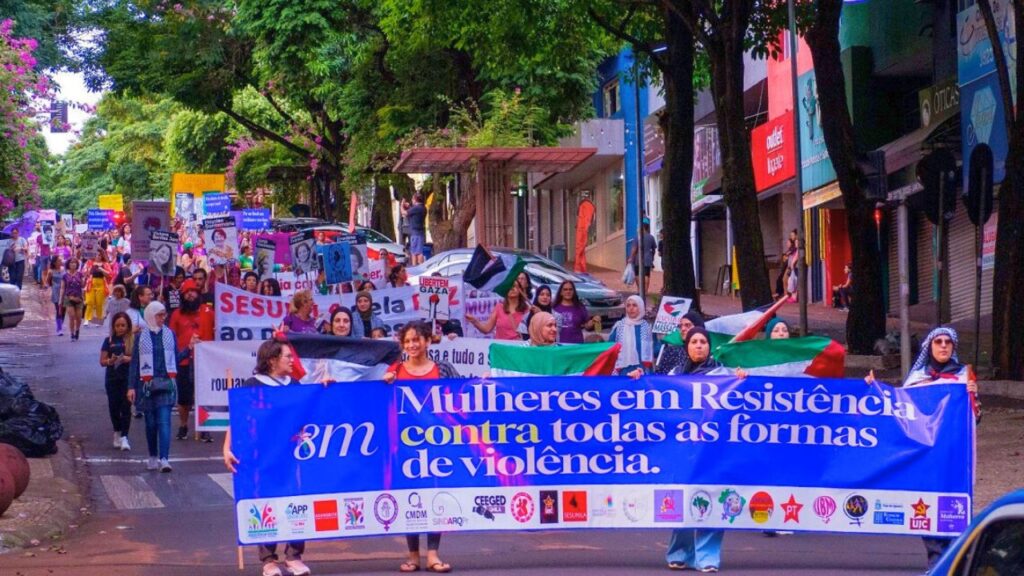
(601, 452)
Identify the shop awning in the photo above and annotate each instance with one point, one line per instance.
(579, 175)
(822, 195)
(450, 160)
(910, 148)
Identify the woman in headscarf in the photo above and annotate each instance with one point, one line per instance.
(633, 333)
(672, 355)
(543, 330)
(541, 303)
(152, 382)
(777, 329)
(341, 323)
(700, 549)
(365, 320)
(938, 363)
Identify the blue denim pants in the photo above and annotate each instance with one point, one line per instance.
(696, 548)
(158, 431)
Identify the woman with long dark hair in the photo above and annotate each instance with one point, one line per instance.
(270, 287)
(573, 315)
(116, 356)
(414, 338)
(53, 278)
(505, 319)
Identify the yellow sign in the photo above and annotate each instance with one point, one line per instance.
(194, 185)
(113, 202)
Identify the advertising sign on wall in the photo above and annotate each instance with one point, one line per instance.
(773, 152)
(815, 164)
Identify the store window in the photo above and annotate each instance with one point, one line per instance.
(616, 202)
(611, 98)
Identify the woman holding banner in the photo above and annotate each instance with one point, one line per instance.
(506, 317)
(415, 340)
(274, 362)
(341, 322)
(701, 549)
(543, 330)
(938, 363)
(672, 355)
(634, 334)
(365, 320)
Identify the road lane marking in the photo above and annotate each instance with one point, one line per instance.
(225, 481)
(108, 460)
(130, 492)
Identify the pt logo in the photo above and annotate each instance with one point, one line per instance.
(920, 521)
(792, 510)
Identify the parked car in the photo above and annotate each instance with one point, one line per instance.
(11, 312)
(992, 544)
(598, 298)
(329, 231)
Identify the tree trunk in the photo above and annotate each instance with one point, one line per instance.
(677, 125)
(1008, 276)
(381, 217)
(447, 227)
(738, 171)
(866, 321)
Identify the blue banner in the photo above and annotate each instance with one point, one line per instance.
(255, 219)
(99, 220)
(601, 452)
(216, 203)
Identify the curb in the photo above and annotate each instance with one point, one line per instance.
(50, 505)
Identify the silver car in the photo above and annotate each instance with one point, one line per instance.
(11, 312)
(598, 298)
(374, 239)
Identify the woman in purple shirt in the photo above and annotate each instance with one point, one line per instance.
(300, 318)
(572, 315)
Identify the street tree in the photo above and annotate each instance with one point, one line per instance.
(866, 321)
(1008, 278)
(660, 38)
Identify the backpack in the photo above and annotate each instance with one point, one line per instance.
(8, 257)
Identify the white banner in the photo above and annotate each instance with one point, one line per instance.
(470, 356)
(213, 361)
(671, 310)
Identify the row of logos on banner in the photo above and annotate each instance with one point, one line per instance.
(621, 506)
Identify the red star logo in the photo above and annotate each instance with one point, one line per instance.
(920, 509)
(792, 509)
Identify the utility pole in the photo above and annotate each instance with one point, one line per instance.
(798, 210)
(638, 133)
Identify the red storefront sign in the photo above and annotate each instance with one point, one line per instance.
(773, 152)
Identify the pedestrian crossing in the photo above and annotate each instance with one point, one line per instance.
(152, 490)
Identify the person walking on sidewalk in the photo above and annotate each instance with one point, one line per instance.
(73, 296)
(192, 322)
(19, 246)
(274, 362)
(154, 365)
(116, 356)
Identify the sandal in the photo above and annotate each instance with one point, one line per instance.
(439, 568)
(709, 569)
(677, 565)
(409, 567)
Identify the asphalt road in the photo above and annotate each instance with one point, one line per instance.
(181, 523)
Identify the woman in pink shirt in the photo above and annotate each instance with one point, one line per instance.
(506, 318)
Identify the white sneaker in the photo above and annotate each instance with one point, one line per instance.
(152, 463)
(125, 446)
(297, 567)
(117, 439)
(271, 569)
(165, 465)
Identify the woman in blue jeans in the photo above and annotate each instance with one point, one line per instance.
(153, 389)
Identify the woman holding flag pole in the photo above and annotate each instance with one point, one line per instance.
(414, 338)
(938, 363)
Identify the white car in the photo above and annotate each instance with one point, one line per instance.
(11, 311)
(326, 232)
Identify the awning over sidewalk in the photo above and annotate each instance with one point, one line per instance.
(910, 148)
(545, 160)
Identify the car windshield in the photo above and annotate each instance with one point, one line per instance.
(549, 274)
(374, 236)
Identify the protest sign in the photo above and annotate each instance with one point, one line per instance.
(214, 361)
(479, 304)
(189, 189)
(216, 203)
(469, 356)
(68, 220)
(147, 216)
(185, 206)
(221, 239)
(336, 261)
(114, 202)
(46, 231)
(303, 250)
(255, 219)
(241, 315)
(282, 253)
(163, 252)
(603, 452)
(100, 220)
(265, 254)
(670, 311)
(440, 298)
(48, 214)
(90, 244)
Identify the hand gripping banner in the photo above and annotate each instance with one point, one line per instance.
(366, 458)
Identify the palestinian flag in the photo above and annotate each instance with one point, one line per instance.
(564, 360)
(734, 327)
(321, 358)
(492, 272)
(810, 355)
(212, 416)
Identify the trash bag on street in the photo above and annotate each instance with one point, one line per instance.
(26, 423)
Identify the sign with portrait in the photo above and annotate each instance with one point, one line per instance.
(221, 238)
(303, 250)
(163, 252)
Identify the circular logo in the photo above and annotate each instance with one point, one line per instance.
(732, 504)
(522, 507)
(700, 506)
(385, 510)
(761, 507)
(824, 508)
(856, 507)
(634, 507)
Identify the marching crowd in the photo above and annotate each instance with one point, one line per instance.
(152, 325)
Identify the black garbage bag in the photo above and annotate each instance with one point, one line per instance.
(26, 423)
